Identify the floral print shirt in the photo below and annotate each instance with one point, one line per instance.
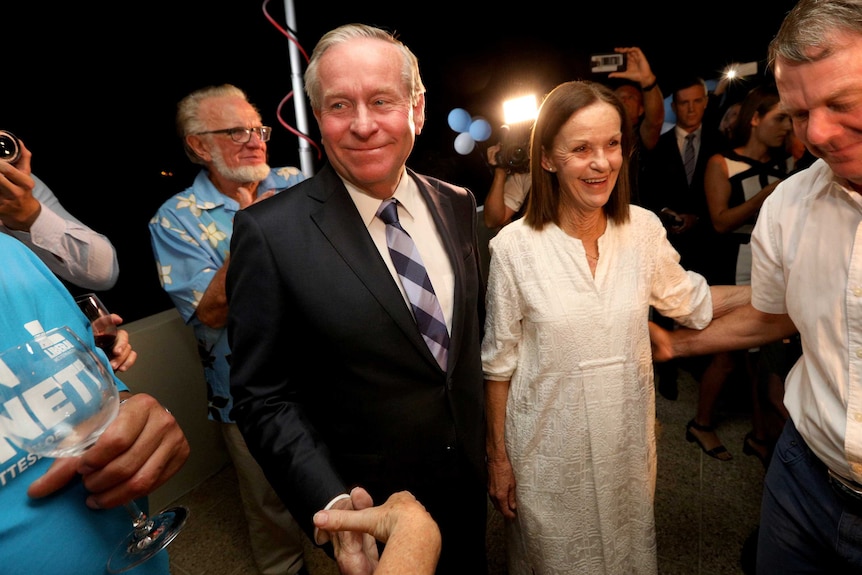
(190, 235)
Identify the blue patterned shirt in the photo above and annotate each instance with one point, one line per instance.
(190, 236)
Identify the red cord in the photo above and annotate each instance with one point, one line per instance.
(290, 36)
(294, 130)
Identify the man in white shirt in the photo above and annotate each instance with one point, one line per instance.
(807, 274)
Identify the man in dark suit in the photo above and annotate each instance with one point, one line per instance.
(333, 383)
(666, 189)
(679, 197)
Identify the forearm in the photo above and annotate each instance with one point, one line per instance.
(743, 328)
(727, 298)
(212, 310)
(496, 397)
(653, 119)
(729, 219)
(495, 212)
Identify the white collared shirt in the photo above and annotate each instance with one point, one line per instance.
(415, 218)
(807, 262)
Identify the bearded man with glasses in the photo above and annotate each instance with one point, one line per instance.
(190, 235)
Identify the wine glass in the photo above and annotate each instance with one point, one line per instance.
(104, 328)
(56, 399)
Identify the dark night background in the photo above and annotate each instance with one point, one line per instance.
(92, 90)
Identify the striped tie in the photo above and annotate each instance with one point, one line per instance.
(417, 284)
(689, 159)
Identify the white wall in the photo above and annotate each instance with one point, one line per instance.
(169, 369)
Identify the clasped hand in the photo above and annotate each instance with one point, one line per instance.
(412, 536)
(141, 449)
(355, 551)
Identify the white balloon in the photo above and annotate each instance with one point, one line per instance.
(464, 143)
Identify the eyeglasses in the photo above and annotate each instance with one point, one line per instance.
(243, 135)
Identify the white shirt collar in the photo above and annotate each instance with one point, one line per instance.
(406, 192)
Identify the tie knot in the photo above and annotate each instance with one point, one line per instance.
(388, 211)
(690, 137)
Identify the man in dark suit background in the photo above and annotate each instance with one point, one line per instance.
(680, 202)
(333, 384)
(666, 190)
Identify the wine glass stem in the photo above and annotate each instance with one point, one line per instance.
(142, 524)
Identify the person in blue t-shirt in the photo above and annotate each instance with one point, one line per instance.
(66, 515)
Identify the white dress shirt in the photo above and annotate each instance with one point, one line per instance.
(807, 262)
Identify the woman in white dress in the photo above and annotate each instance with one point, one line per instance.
(566, 354)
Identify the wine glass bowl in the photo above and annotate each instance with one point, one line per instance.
(104, 328)
(56, 399)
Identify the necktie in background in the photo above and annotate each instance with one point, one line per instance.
(417, 284)
(688, 158)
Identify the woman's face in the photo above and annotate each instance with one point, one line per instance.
(729, 118)
(772, 128)
(587, 156)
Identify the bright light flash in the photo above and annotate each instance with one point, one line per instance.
(737, 70)
(520, 109)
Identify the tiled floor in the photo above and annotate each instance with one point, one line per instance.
(705, 508)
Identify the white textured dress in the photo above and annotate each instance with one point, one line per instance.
(580, 414)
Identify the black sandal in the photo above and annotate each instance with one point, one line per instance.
(719, 452)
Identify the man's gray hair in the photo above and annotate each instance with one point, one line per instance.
(807, 33)
(409, 71)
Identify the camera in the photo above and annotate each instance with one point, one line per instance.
(515, 158)
(671, 219)
(606, 63)
(10, 147)
(514, 154)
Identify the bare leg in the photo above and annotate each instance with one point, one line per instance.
(700, 429)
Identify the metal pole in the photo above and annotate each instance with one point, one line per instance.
(306, 158)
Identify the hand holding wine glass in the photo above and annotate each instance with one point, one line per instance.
(104, 328)
(56, 400)
(105, 331)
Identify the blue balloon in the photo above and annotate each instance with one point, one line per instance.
(464, 143)
(480, 130)
(459, 119)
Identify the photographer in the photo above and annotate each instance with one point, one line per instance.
(637, 88)
(31, 213)
(508, 189)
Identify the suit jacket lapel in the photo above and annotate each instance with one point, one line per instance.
(339, 221)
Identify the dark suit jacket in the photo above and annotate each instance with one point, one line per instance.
(663, 185)
(333, 384)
